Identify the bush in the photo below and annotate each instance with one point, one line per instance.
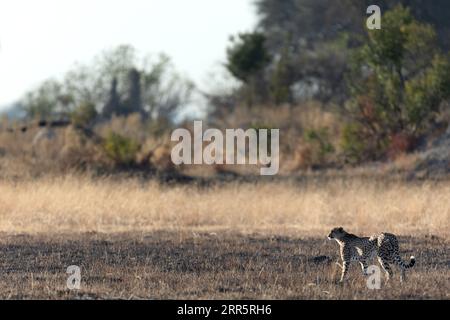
(352, 143)
(84, 115)
(400, 144)
(120, 149)
(320, 146)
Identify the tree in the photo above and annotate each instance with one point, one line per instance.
(113, 103)
(319, 34)
(46, 101)
(281, 79)
(164, 91)
(247, 59)
(133, 97)
(312, 21)
(399, 79)
(148, 86)
(116, 82)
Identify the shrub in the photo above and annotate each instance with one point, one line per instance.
(320, 146)
(120, 149)
(400, 144)
(84, 115)
(352, 143)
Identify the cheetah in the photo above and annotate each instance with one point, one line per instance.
(384, 246)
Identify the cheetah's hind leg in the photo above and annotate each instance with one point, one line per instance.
(364, 267)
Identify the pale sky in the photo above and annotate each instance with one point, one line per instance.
(44, 38)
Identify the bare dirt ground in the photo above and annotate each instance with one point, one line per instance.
(218, 265)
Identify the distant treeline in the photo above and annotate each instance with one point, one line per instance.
(117, 82)
(390, 87)
(301, 48)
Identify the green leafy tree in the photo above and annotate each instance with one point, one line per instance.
(281, 79)
(46, 101)
(398, 81)
(247, 59)
(319, 34)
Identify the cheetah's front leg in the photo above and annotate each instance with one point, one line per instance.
(387, 269)
(345, 265)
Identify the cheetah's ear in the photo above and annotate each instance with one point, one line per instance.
(341, 229)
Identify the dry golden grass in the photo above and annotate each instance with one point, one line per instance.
(80, 204)
(296, 151)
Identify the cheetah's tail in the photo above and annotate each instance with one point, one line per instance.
(402, 264)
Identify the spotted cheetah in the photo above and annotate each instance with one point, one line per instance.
(384, 246)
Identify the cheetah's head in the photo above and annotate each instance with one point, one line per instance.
(336, 233)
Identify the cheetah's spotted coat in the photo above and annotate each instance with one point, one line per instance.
(384, 246)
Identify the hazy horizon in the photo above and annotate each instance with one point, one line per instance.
(48, 38)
